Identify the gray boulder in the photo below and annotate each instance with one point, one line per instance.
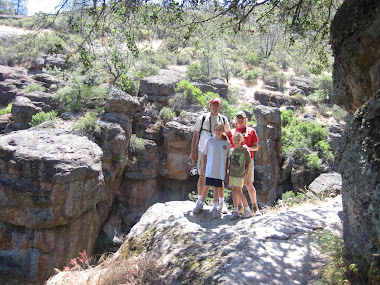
(326, 184)
(303, 83)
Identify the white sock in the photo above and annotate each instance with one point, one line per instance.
(199, 201)
(221, 201)
(215, 205)
(236, 209)
(199, 197)
(246, 208)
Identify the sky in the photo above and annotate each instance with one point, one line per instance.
(45, 6)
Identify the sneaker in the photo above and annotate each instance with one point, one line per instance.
(224, 209)
(241, 209)
(256, 210)
(247, 214)
(235, 215)
(198, 208)
(215, 213)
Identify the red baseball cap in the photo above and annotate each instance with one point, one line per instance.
(215, 100)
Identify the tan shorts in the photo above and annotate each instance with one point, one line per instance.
(251, 174)
(236, 181)
(199, 164)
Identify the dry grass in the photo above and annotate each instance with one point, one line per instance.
(144, 269)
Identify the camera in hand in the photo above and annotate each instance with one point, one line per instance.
(193, 171)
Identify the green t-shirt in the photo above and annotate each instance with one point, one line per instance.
(239, 161)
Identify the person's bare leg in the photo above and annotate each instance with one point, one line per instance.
(201, 184)
(252, 193)
(205, 191)
(241, 197)
(234, 196)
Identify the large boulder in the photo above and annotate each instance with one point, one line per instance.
(51, 189)
(355, 38)
(303, 83)
(183, 248)
(23, 110)
(160, 87)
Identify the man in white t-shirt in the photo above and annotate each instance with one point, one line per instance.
(204, 129)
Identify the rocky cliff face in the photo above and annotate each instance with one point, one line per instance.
(50, 208)
(355, 36)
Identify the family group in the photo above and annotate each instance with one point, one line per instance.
(224, 153)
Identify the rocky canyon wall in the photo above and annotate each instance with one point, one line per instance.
(355, 38)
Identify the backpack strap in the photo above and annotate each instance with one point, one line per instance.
(220, 118)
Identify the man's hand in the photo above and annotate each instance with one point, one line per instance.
(192, 157)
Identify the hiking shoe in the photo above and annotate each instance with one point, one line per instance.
(247, 213)
(224, 209)
(198, 208)
(235, 215)
(215, 213)
(256, 210)
(241, 209)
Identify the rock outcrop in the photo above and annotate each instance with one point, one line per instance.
(51, 185)
(267, 157)
(277, 248)
(278, 99)
(160, 87)
(355, 38)
(11, 81)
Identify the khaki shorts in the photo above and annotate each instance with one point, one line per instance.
(199, 164)
(251, 174)
(236, 181)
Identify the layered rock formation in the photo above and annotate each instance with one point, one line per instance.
(267, 157)
(355, 37)
(50, 208)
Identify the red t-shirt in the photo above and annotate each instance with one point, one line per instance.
(250, 137)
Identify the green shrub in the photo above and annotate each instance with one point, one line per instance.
(251, 58)
(338, 113)
(76, 95)
(136, 144)
(42, 117)
(191, 93)
(33, 87)
(87, 124)
(299, 138)
(313, 161)
(278, 77)
(166, 114)
(251, 74)
(195, 72)
(128, 85)
(292, 199)
(6, 110)
(271, 66)
(325, 87)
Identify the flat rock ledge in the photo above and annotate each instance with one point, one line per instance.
(276, 248)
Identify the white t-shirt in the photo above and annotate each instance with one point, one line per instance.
(205, 133)
(217, 152)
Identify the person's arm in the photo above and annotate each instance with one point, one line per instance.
(247, 172)
(204, 162)
(254, 146)
(194, 144)
(227, 128)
